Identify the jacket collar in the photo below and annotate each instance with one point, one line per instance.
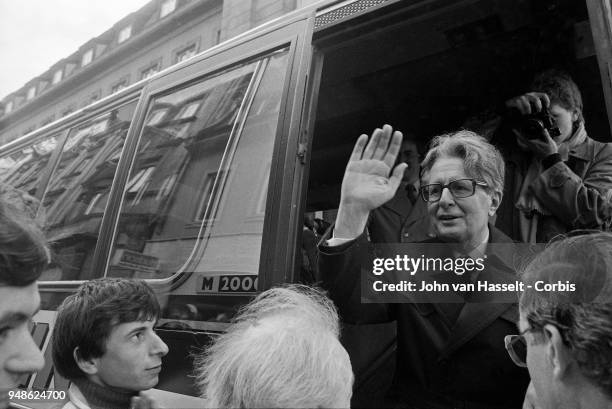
(583, 151)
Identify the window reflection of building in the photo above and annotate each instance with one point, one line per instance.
(261, 202)
(26, 178)
(189, 110)
(189, 133)
(25, 169)
(78, 190)
(185, 138)
(166, 187)
(92, 203)
(235, 237)
(209, 182)
(156, 117)
(171, 187)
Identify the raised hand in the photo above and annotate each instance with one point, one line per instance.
(369, 180)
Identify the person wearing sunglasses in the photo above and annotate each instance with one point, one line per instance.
(448, 354)
(565, 338)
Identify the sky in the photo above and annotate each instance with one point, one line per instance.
(35, 34)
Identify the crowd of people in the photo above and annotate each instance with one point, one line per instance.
(537, 179)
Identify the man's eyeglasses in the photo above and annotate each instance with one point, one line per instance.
(459, 188)
(516, 345)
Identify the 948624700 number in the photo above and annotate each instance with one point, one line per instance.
(20, 394)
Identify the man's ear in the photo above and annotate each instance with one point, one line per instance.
(496, 198)
(88, 366)
(558, 354)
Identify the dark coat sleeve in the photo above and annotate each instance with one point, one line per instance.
(340, 270)
(580, 202)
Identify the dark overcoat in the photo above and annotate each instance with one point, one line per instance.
(448, 355)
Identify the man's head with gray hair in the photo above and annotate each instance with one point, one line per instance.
(282, 351)
(566, 323)
(481, 160)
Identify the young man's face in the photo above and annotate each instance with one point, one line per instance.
(132, 360)
(19, 355)
(564, 120)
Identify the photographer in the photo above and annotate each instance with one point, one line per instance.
(557, 177)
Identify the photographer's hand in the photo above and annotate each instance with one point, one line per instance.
(540, 147)
(529, 103)
(368, 180)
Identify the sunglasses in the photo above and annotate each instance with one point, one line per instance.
(516, 345)
(517, 349)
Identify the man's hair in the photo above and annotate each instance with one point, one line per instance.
(281, 351)
(481, 160)
(23, 248)
(561, 89)
(584, 316)
(85, 319)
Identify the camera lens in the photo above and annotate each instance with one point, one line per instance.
(533, 128)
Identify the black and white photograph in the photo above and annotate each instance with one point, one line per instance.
(306, 204)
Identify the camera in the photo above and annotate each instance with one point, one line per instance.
(532, 126)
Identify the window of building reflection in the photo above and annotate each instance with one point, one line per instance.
(24, 168)
(201, 164)
(77, 193)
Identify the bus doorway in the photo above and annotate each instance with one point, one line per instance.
(427, 68)
(438, 71)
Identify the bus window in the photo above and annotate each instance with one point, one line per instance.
(195, 197)
(23, 169)
(78, 189)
